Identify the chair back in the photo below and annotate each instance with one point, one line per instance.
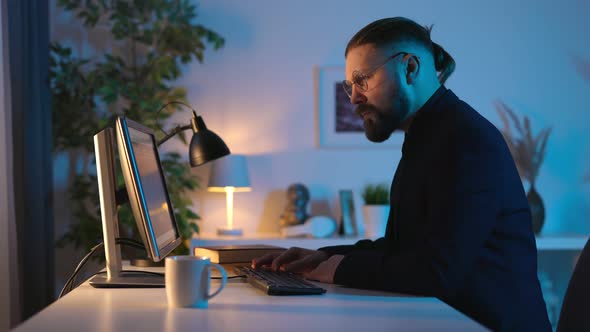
(575, 311)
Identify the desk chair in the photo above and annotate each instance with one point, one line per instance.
(576, 302)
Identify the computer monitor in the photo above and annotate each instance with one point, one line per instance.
(148, 197)
(146, 188)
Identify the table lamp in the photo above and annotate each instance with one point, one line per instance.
(229, 174)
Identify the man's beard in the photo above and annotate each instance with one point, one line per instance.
(382, 123)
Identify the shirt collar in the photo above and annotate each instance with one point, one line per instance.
(431, 102)
(428, 107)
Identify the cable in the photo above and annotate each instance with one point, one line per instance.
(124, 241)
(70, 280)
(232, 277)
(69, 285)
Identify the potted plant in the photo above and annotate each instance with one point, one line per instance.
(157, 38)
(528, 151)
(376, 209)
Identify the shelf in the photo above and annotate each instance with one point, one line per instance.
(271, 239)
(561, 242)
(544, 243)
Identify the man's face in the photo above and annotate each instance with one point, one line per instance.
(384, 105)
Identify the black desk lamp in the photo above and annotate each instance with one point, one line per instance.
(205, 144)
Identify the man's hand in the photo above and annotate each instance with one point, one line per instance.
(325, 271)
(297, 260)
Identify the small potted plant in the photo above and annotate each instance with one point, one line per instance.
(376, 209)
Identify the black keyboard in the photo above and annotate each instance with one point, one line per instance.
(278, 283)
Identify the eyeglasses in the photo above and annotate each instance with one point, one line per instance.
(360, 80)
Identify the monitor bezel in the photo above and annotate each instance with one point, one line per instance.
(133, 183)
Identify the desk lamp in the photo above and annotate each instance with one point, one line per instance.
(205, 144)
(229, 175)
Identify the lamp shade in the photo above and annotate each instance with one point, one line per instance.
(205, 144)
(230, 171)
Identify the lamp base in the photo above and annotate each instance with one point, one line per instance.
(229, 231)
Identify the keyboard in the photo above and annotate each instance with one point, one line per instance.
(278, 283)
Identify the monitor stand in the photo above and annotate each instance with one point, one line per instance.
(146, 262)
(128, 279)
(104, 149)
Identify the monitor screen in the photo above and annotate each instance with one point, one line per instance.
(146, 188)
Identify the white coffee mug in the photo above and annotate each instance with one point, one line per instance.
(188, 279)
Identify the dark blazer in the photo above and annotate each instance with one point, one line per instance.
(459, 227)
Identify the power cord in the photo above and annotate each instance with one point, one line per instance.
(69, 285)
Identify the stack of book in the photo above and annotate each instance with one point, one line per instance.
(227, 254)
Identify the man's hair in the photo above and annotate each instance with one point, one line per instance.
(400, 29)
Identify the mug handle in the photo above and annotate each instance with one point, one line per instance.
(223, 278)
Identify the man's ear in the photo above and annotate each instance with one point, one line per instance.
(412, 68)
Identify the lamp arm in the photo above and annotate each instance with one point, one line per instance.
(175, 131)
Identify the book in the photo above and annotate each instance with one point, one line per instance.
(244, 253)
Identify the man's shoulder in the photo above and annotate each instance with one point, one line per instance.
(466, 122)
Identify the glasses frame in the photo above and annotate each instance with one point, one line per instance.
(360, 79)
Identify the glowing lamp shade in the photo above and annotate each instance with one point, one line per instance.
(229, 174)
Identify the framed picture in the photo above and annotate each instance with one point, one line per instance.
(337, 124)
(348, 220)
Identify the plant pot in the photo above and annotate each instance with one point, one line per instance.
(537, 210)
(375, 220)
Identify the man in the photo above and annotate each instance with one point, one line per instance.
(459, 226)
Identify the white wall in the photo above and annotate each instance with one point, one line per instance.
(258, 94)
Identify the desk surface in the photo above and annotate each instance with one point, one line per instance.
(240, 307)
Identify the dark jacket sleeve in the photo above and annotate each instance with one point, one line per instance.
(461, 200)
(360, 245)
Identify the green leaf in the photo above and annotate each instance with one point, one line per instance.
(152, 38)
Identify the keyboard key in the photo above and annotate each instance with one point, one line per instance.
(278, 283)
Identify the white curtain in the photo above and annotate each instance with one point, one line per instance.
(9, 313)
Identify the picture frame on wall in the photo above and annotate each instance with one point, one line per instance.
(337, 125)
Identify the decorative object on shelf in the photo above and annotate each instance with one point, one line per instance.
(528, 151)
(348, 224)
(295, 212)
(229, 174)
(376, 209)
(316, 226)
(158, 38)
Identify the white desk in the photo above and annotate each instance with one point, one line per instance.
(241, 307)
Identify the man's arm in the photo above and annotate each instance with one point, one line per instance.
(462, 203)
(360, 245)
